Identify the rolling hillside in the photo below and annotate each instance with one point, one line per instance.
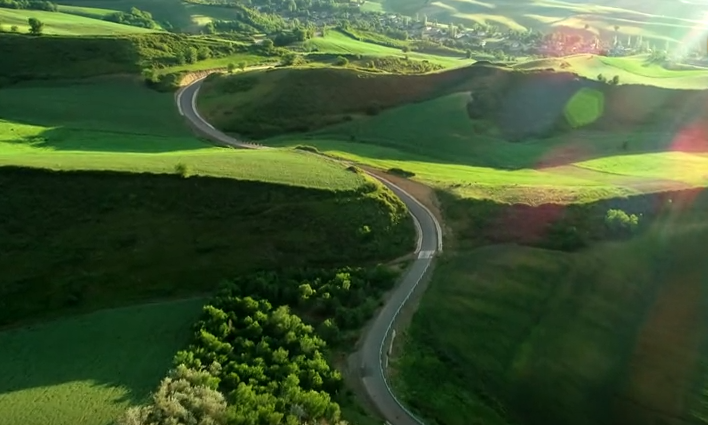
(68, 21)
(677, 22)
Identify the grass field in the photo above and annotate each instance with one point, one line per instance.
(338, 43)
(448, 153)
(678, 22)
(68, 21)
(631, 70)
(181, 15)
(121, 125)
(611, 335)
(87, 369)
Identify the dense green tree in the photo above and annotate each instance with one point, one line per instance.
(36, 26)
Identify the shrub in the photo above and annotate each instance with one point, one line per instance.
(182, 169)
(186, 396)
(373, 109)
(307, 148)
(619, 222)
(401, 172)
(341, 61)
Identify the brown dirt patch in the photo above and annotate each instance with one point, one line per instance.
(665, 357)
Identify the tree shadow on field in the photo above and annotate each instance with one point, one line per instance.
(126, 352)
(74, 139)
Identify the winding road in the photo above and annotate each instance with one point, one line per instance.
(374, 350)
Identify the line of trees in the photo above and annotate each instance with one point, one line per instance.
(136, 18)
(29, 5)
(251, 363)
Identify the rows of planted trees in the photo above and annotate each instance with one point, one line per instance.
(257, 356)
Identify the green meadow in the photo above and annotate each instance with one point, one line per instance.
(337, 43)
(630, 70)
(612, 334)
(88, 369)
(68, 21)
(446, 152)
(121, 125)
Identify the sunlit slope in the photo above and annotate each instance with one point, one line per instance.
(630, 70)
(675, 21)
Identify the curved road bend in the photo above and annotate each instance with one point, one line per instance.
(374, 350)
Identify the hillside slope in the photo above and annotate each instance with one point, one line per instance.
(79, 57)
(113, 238)
(612, 335)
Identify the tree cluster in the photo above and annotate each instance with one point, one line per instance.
(250, 363)
(136, 18)
(334, 300)
(29, 5)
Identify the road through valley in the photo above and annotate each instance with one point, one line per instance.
(374, 350)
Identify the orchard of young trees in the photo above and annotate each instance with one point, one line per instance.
(253, 361)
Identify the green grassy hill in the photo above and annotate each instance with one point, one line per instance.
(112, 201)
(652, 20)
(123, 126)
(68, 21)
(337, 43)
(182, 16)
(628, 143)
(611, 335)
(630, 70)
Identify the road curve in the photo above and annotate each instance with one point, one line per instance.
(374, 351)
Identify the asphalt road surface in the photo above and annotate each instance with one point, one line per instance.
(376, 344)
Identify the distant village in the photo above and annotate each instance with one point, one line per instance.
(504, 43)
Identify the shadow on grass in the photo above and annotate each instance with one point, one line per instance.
(128, 348)
(75, 139)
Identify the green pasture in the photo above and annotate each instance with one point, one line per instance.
(337, 43)
(66, 22)
(511, 335)
(181, 15)
(88, 369)
(437, 141)
(121, 125)
(630, 69)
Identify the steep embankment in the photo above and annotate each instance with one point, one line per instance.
(112, 238)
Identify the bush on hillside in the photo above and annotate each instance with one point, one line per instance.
(29, 5)
(400, 172)
(136, 18)
(185, 396)
(399, 65)
(168, 82)
(183, 170)
(620, 223)
(307, 148)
